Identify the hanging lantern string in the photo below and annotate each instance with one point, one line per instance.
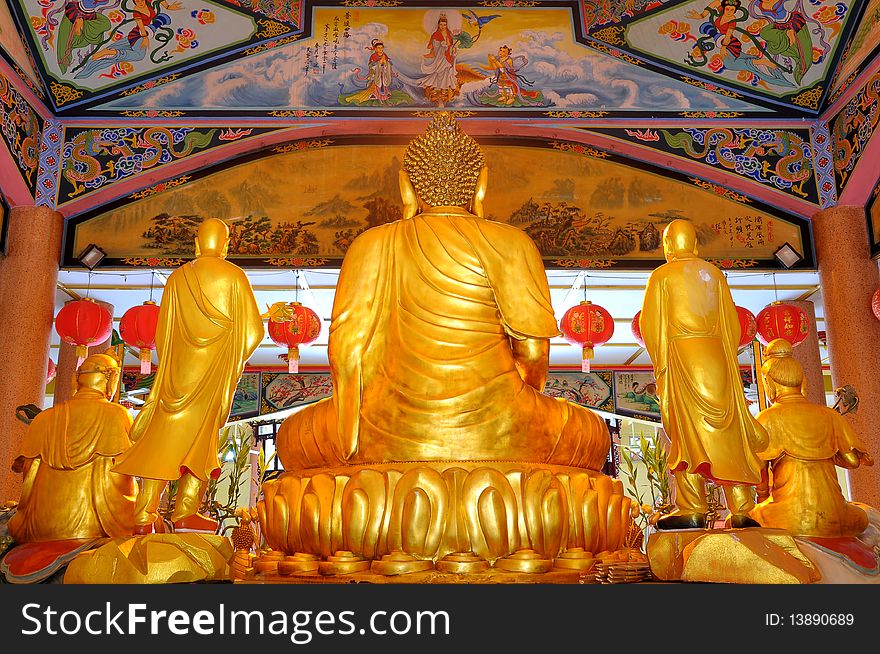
(152, 282)
(89, 285)
(775, 290)
(296, 285)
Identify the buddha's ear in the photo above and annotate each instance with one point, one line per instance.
(480, 192)
(198, 249)
(408, 195)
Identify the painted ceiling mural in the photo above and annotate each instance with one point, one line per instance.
(873, 211)
(11, 43)
(392, 58)
(88, 48)
(304, 203)
(864, 43)
(779, 50)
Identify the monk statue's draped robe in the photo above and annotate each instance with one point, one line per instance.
(69, 490)
(208, 327)
(805, 441)
(691, 332)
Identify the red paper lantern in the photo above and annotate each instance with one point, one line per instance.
(875, 303)
(780, 320)
(299, 326)
(50, 372)
(83, 323)
(589, 326)
(637, 329)
(748, 326)
(138, 329)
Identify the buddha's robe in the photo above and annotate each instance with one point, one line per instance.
(69, 490)
(421, 356)
(805, 497)
(691, 332)
(209, 325)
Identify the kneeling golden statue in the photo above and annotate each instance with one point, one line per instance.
(807, 441)
(438, 441)
(69, 490)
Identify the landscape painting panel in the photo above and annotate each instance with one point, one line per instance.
(635, 395)
(592, 389)
(246, 400)
(313, 201)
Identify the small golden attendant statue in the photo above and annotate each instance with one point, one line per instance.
(807, 441)
(691, 332)
(438, 350)
(69, 490)
(209, 325)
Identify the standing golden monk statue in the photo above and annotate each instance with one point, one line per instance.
(69, 490)
(691, 332)
(440, 335)
(209, 325)
(807, 441)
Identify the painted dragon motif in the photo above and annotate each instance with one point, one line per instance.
(750, 153)
(97, 157)
(20, 130)
(853, 126)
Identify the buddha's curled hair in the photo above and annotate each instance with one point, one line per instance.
(444, 163)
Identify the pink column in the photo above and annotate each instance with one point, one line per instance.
(849, 277)
(28, 279)
(807, 353)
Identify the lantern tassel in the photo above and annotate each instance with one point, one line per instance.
(585, 360)
(293, 360)
(146, 356)
(82, 351)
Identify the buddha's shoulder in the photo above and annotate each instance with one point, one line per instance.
(494, 228)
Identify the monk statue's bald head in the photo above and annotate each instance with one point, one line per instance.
(679, 238)
(781, 371)
(99, 372)
(443, 168)
(212, 239)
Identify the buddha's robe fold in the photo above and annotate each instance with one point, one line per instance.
(421, 358)
(209, 325)
(806, 499)
(691, 332)
(69, 490)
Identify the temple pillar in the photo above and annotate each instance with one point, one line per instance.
(28, 281)
(65, 381)
(849, 277)
(807, 354)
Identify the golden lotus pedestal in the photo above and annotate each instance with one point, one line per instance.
(440, 522)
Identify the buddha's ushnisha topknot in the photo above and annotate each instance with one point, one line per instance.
(444, 163)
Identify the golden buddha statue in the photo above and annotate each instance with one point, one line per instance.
(807, 441)
(69, 490)
(209, 325)
(691, 332)
(438, 350)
